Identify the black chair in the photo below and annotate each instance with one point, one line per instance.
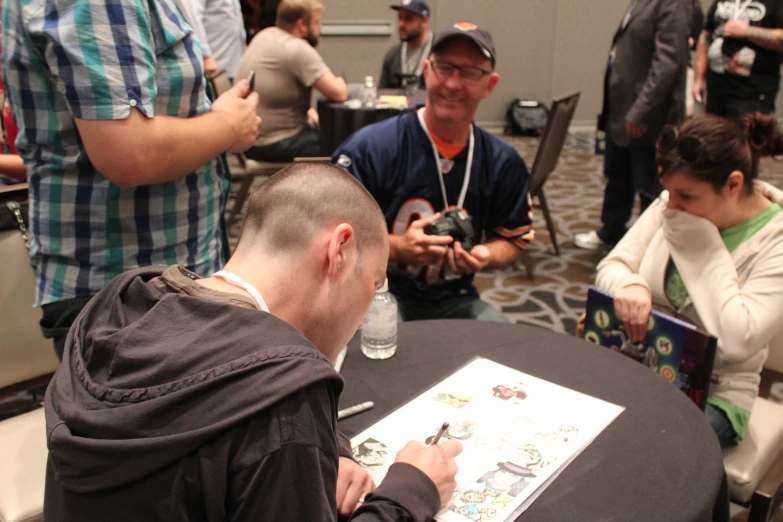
(547, 155)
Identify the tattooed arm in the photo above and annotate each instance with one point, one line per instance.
(771, 39)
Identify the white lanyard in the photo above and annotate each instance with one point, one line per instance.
(424, 55)
(235, 280)
(468, 167)
(739, 9)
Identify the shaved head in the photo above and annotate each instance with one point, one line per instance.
(286, 212)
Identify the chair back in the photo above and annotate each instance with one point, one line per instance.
(27, 359)
(552, 140)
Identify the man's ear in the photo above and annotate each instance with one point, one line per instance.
(494, 78)
(341, 248)
(302, 26)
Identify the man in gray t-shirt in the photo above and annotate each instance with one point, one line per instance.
(403, 63)
(287, 67)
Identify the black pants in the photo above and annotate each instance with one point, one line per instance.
(305, 144)
(725, 102)
(629, 170)
(57, 320)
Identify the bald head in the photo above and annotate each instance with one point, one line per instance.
(286, 212)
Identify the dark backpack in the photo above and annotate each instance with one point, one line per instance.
(526, 118)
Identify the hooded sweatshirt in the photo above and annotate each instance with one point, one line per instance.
(174, 402)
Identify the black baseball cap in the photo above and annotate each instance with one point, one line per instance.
(419, 7)
(471, 31)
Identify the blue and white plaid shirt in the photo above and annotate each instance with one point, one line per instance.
(95, 60)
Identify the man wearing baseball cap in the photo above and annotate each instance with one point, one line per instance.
(421, 164)
(403, 63)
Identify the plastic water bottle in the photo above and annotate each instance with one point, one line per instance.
(370, 93)
(379, 333)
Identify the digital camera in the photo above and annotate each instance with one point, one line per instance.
(454, 223)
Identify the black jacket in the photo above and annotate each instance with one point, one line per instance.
(646, 83)
(169, 407)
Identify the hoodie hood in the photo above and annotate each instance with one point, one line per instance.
(148, 377)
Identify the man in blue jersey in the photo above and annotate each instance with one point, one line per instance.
(420, 164)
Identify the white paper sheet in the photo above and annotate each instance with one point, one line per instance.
(518, 433)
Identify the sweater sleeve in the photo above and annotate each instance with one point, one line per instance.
(744, 318)
(620, 268)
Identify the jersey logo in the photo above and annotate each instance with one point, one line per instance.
(465, 26)
(344, 161)
(446, 165)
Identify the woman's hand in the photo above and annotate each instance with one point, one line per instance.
(633, 304)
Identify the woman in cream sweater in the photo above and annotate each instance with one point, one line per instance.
(710, 250)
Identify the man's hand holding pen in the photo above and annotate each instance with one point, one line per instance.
(437, 462)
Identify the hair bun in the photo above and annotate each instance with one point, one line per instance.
(764, 136)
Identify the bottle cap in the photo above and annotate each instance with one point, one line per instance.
(384, 287)
(368, 79)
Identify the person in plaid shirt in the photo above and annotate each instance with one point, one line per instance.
(120, 142)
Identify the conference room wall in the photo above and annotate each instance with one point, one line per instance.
(545, 47)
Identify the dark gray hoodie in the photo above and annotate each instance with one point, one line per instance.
(173, 407)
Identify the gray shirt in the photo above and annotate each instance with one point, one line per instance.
(219, 27)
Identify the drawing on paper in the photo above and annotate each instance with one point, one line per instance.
(371, 453)
(514, 393)
(508, 478)
(454, 399)
(515, 436)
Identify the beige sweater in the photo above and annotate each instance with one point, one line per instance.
(738, 297)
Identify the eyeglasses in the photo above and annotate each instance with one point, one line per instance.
(466, 72)
(689, 148)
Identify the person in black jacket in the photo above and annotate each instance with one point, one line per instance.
(644, 89)
(403, 63)
(189, 399)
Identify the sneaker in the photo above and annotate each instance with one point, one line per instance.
(591, 241)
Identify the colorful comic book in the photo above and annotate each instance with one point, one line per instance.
(678, 351)
(518, 433)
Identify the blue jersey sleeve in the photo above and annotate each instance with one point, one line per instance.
(369, 156)
(511, 212)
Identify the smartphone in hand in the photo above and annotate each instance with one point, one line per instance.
(251, 78)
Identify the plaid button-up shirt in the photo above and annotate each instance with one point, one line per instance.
(96, 60)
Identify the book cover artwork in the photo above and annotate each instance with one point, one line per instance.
(518, 433)
(676, 350)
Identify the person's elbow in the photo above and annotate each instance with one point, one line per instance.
(338, 93)
(126, 169)
(121, 150)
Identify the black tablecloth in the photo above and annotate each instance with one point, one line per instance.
(338, 121)
(658, 461)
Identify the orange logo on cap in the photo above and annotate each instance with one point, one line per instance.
(465, 26)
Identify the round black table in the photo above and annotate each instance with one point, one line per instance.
(658, 461)
(339, 121)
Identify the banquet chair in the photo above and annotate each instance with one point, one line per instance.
(755, 466)
(27, 361)
(551, 145)
(243, 169)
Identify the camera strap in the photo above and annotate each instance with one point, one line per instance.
(235, 280)
(468, 167)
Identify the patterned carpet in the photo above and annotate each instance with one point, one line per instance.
(556, 297)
